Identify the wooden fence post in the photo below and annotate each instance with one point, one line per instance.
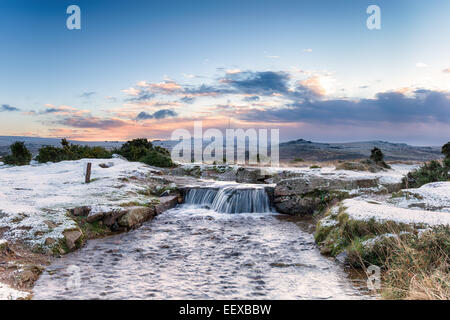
(88, 173)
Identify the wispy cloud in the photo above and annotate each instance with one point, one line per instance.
(91, 122)
(160, 114)
(8, 108)
(88, 94)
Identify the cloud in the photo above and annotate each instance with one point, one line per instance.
(421, 65)
(160, 114)
(61, 110)
(259, 83)
(141, 96)
(251, 98)
(8, 108)
(88, 94)
(307, 50)
(273, 57)
(422, 106)
(233, 71)
(315, 85)
(91, 122)
(187, 99)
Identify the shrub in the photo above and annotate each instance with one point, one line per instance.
(143, 151)
(71, 152)
(430, 172)
(20, 155)
(377, 156)
(135, 150)
(157, 159)
(446, 150)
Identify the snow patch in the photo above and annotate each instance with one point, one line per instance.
(363, 210)
(34, 199)
(8, 293)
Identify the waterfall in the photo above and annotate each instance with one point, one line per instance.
(230, 199)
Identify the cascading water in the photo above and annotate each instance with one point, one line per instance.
(193, 252)
(230, 199)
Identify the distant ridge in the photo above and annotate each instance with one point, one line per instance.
(316, 151)
(295, 149)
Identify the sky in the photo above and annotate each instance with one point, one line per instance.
(311, 69)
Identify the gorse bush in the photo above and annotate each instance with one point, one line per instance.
(377, 156)
(432, 171)
(71, 152)
(446, 150)
(135, 149)
(143, 151)
(20, 155)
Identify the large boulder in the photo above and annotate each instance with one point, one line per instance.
(166, 203)
(309, 193)
(81, 211)
(306, 184)
(110, 218)
(136, 216)
(252, 175)
(73, 239)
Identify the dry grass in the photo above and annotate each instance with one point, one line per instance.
(418, 269)
(413, 267)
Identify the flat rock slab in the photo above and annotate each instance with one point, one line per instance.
(72, 236)
(166, 203)
(136, 216)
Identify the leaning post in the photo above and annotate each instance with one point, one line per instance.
(88, 173)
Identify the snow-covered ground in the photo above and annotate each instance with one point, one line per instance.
(8, 293)
(34, 199)
(393, 175)
(433, 196)
(365, 210)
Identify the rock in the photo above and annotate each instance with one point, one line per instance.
(194, 171)
(118, 156)
(360, 166)
(306, 184)
(81, 211)
(50, 224)
(95, 215)
(4, 246)
(111, 218)
(166, 203)
(343, 257)
(50, 241)
(72, 237)
(106, 165)
(136, 216)
(306, 194)
(28, 274)
(252, 175)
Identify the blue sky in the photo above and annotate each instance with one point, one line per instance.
(143, 68)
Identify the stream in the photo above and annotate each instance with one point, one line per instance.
(207, 248)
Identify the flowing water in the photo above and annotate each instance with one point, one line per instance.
(200, 250)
